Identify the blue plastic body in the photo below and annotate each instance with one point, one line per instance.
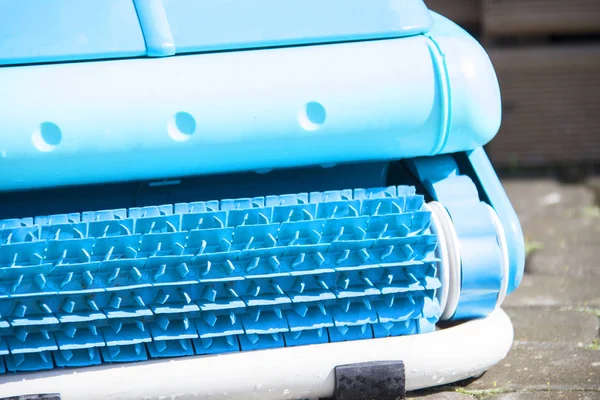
(477, 164)
(66, 30)
(34, 31)
(123, 120)
(190, 26)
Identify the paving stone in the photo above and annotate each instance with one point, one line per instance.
(564, 259)
(544, 197)
(450, 395)
(541, 369)
(593, 183)
(567, 246)
(569, 229)
(553, 326)
(561, 219)
(539, 290)
(549, 395)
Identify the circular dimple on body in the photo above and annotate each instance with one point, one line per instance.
(181, 126)
(46, 136)
(312, 116)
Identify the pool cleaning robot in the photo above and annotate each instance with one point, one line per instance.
(293, 196)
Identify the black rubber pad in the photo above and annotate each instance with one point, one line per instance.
(383, 380)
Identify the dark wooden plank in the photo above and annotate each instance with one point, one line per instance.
(463, 12)
(551, 105)
(540, 17)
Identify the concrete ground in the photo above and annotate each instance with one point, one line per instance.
(556, 310)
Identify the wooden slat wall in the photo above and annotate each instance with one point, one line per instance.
(463, 12)
(550, 91)
(535, 17)
(551, 105)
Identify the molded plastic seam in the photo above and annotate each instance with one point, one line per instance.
(155, 28)
(443, 81)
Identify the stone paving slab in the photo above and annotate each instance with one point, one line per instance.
(502, 394)
(572, 227)
(567, 246)
(561, 261)
(549, 395)
(529, 194)
(557, 291)
(563, 221)
(450, 395)
(533, 198)
(533, 368)
(543, 325)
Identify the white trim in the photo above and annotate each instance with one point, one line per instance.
(454, 263)
(502, 242)
(441, 252)
(431, 359)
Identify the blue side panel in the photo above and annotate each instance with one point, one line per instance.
(63, 30)
(217, 113)
(472, 89)
(481, 265)
(69, 30)
(245, 110)
(498, 199)
(197, 26)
